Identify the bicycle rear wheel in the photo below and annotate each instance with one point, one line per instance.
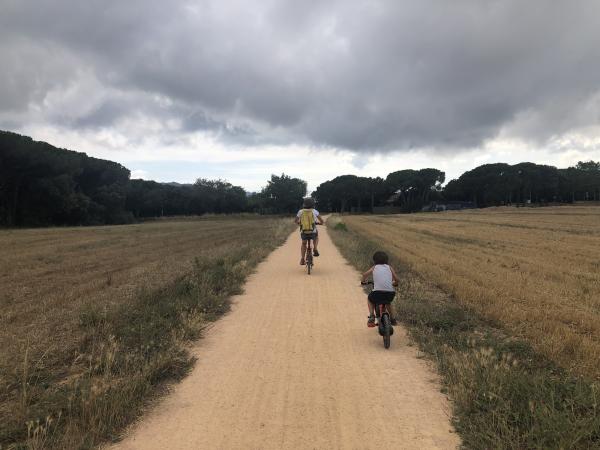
(387, 327)
(309, 258)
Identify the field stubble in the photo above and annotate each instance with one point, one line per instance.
(94, 320)
(535, 271)
(505, 395)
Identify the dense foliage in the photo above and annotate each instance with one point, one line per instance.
(408, 189)
(499, 184)
(43, 185)
(283, 194)
(152, 199)
(487, 185)
(40, 185)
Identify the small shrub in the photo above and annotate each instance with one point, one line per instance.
(340, 226)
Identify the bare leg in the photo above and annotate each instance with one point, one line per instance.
(302, 250)
(316, 242)
(392, 310)
(371, 308)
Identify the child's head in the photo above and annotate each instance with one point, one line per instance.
(380, 257)
(308, 203)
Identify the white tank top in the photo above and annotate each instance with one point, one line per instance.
(382, 278)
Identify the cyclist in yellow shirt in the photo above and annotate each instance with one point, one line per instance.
(307, 218)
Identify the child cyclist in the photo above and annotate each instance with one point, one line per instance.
(307, 218)
(384, 282)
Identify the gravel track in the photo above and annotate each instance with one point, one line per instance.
(294, 366)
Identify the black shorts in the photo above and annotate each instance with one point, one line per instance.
(307, 236)
(381, 297)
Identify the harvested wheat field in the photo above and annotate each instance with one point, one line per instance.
(534, 270)
(48, 275)
(92, 319)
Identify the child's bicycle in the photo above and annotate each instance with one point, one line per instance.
(309, 255)
(384, 320)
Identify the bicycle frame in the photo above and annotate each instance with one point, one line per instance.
(381, 309)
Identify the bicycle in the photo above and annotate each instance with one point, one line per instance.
(384, 320)
(309, 255)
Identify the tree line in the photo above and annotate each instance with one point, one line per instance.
(503, 184)
(409, 189)
(43, 185)
(486, 185)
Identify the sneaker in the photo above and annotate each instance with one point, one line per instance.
(316, 253)
(302, 263)
(371, 322)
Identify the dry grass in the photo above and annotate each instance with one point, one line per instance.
(534, 271)
(504, 394)
(93, 320)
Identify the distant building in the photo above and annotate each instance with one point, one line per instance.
(448, 206)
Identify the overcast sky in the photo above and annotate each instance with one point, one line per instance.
(239, 90)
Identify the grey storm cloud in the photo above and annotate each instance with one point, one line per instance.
(362, 75)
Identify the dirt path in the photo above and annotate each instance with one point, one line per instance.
(294, 366)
